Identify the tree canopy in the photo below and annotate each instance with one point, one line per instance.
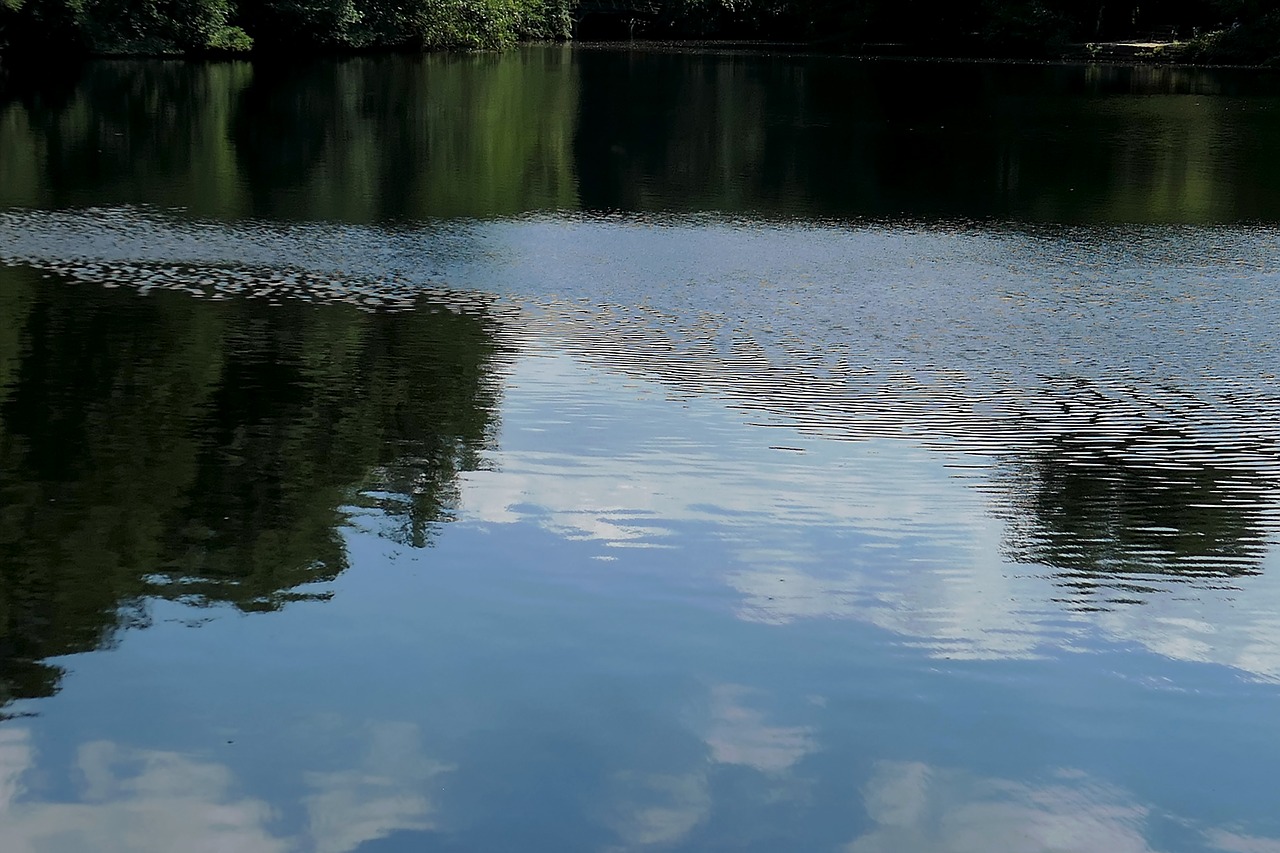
(1223, 30)
(201, 26)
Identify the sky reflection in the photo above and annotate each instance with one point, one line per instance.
(618, 566)
(813, 533)
(917, 808)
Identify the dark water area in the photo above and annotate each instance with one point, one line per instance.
(405, 139)
(639, 450)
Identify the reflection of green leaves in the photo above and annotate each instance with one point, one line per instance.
(15, 304)
(206, 451)
(913, 139)
(158, 127)
(482, 135)
(362, 139)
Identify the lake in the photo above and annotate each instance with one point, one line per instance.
(655, 449)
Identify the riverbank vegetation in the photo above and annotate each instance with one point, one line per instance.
(1235, 31)
(159, 27)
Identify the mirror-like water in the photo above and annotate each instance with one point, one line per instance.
(611, 450)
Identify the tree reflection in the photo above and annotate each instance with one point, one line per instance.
(830, 137)
(393, 138)
(210, 452)
(355, 140)
(152, 132)
(1113, 530)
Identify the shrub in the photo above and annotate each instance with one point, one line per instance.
(157, 26)
(1257, 43)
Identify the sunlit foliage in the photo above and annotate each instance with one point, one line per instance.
(158, 27)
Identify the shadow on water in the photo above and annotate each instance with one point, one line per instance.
(211, 452)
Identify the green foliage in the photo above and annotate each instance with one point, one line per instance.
(115, 27)
(710, 18)
(196, 26)
(995, 27)
(420, 24)
(230, 40)
(158, 26)
(300, 22)
(39, 25)
(1257, 42)
(457, 24)
(1022, 27)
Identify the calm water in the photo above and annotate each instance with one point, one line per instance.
(601, 450)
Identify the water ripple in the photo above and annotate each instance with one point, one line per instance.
(1123, 381)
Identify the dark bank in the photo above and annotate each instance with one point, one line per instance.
(1189, 31)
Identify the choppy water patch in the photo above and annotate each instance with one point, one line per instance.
(145, 250)
(1122, 380)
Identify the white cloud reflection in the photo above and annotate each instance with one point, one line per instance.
(134, 801)
(920, 809)
(154, 801)
(662, 809)
(656, 809)
(881, 531)
(1235, 842)
(386, 793)
(741, 735)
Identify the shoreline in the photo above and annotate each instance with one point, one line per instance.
(1124, 54)
(1078, 54)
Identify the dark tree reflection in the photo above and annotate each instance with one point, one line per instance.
(1114, 530)
(832, 137)
(210, 452)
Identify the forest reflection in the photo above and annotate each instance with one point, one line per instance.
(1114, 532)
(211, 451)
(553, 129)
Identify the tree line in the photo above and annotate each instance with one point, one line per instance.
(1222, 30)
(1229, 31)
(223, 26)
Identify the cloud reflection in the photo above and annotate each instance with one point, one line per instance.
(154, 801)
(655, 809)
(740, 734)
(1235, 842)
(817, 535)
(386, 793)
(134, 801)
(920, 809)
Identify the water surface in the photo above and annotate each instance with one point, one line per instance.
(622, 450)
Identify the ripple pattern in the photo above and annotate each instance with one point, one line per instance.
(1122, 381)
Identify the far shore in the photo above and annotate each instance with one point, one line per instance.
(1162, 53)
(1125, 53)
